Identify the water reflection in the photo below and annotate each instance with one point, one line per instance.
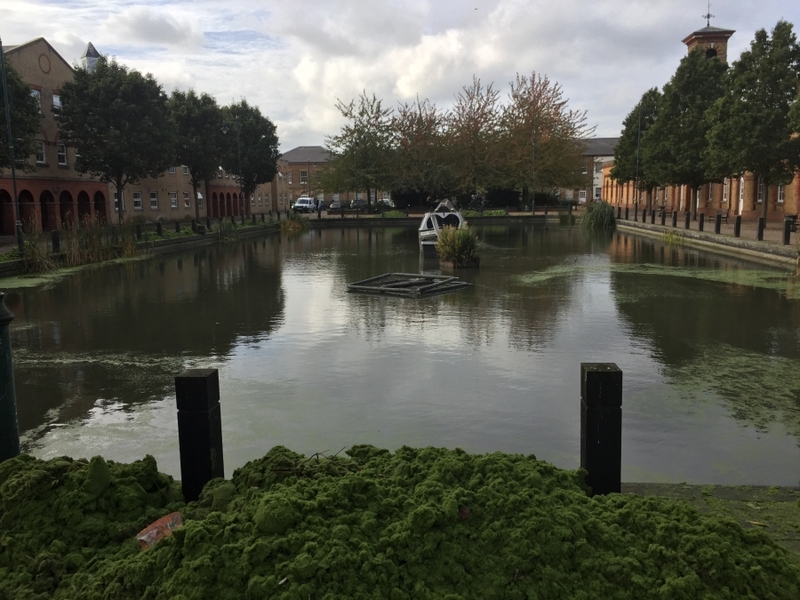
(306, 364)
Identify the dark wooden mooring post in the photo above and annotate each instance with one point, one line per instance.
(702, 222)
(199, 429)
(9, 429)
(601, 426)
(760, 231)
(160, 229)
(737, 226)
(718, 223)
(687, 219)
(177, 226)
(653, 216)
(674, 218)
(663, 216)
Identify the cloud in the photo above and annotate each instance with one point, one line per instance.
(142, 26)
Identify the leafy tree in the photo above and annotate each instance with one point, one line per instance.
(419, 165)
(198, 127)
(251, 149)
(629, 164)
(119, 122)
(794, 115)
(538, 111)
(751, 130)
(25, 121)
(472, 132)
(674, 146)
(361, 152)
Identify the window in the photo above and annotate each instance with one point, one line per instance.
(598, 167)
(40, 157)
(781, 193)
(220, 173)
(199, 199)
(116, 202)
(252, 200)
(61, 149)
(137, 200)
(172, 170)
(725, 191)
(56, 101)
(185, 169)
(266, 198)
(584, 169)
(597, 192)
(153, 200)
(173, 199)
(259, 199)
(582, 196)
(760, 196)
(186, 202)
(303, 177)
(38, 97)
(289, 175)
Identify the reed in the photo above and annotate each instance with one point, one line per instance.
(599, 216)
(457, 245)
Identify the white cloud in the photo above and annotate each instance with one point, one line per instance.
(294, 59)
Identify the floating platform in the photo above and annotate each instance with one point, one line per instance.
(408, 284)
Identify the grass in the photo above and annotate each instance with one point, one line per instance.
(485, 213)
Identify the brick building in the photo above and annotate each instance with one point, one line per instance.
(743, 195)
(54, 194)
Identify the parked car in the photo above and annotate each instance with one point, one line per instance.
(304, 205)
(358, 203)
(335, 205)
(386, 202)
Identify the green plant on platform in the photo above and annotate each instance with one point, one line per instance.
(294, 224)
(599, 216)
(457, 245)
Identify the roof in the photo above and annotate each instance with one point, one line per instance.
(90, 52)
(18, 47)
(306, 154)
(710, 31)
(600, 146)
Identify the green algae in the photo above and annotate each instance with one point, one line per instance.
(785, 283)
(416, 523)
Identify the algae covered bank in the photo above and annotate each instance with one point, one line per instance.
(416, 523)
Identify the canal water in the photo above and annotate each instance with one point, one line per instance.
(709, 348)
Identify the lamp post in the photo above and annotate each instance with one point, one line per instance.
(533, 174)
(20, 243)
(225, 130)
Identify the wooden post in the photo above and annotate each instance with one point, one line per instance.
(653, 216)
(9, 429)
(194, 225)
(718, 223)
(702, 222)
(635, 211)
(177, 226)
(160, 229)
(601, 426)
(208, 223)
(626, 213)
(687, 220)
(663, 216)
(761, 226)
(619, 211)
(787, 231)
(199, 429)
(737, 226)
(674, 218)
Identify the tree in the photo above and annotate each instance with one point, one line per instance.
(794, 115)
(119, 122)
(629, 163)
(472, 132)
(419, 165)
(751, 130)
(674, 147)
(251, 149)
(25, 121)
(198, 127)
(361, 152)
(537, 110)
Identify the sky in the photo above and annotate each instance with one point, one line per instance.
(294, 59)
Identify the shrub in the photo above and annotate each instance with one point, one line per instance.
(485, 213)
(294, 224)
(457, 245)
(599, 216)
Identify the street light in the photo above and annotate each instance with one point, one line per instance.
(20, 243)
(225, 130)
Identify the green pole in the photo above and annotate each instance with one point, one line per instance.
(9, 430)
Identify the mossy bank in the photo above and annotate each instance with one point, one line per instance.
(416, 523)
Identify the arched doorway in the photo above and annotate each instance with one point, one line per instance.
(27, 209)
(67, 210)
(84, 207)
(100, 207)
(228, 205)
(6, 213)
(47, 208)
(214, 208)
